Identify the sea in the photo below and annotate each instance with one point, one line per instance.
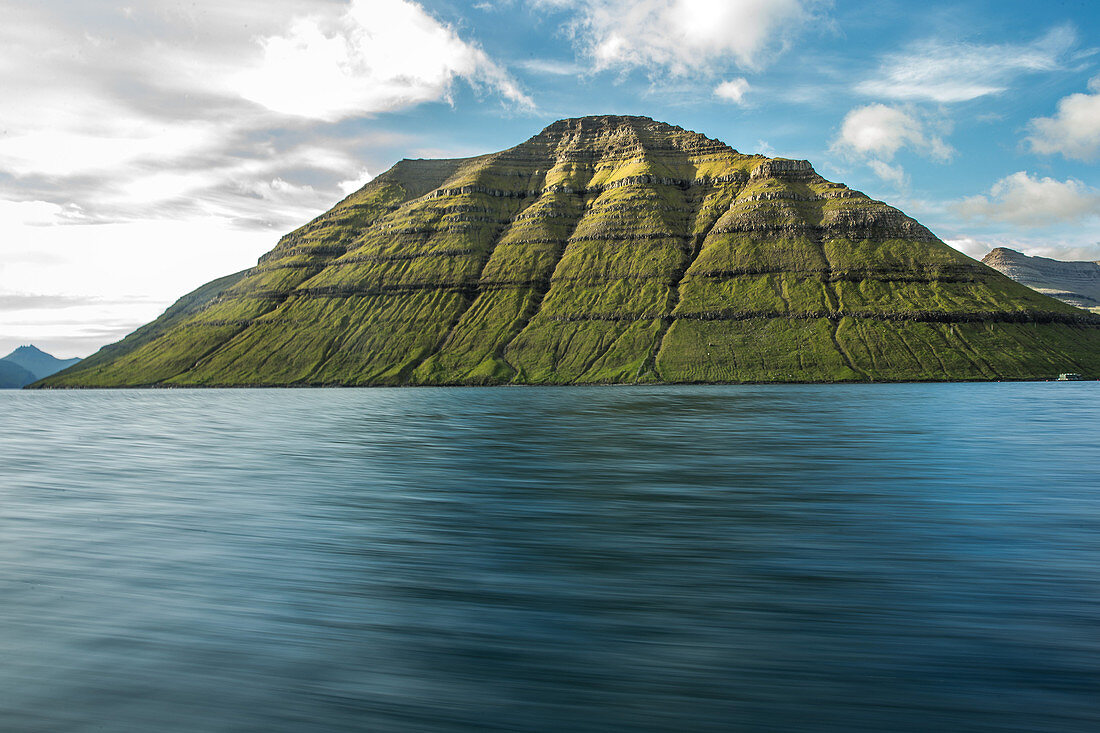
(874, 557)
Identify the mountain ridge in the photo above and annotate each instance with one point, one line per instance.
(34, 362)
(1073, 282)
(607, 249)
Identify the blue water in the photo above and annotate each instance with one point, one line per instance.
(789, 558)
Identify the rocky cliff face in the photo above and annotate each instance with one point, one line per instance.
(607, 249)
(1076, 283)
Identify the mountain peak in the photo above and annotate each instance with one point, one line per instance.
(1073, 282)
(608, 248)
(38, 362)
(633, 133)
(28, 349)
(605, 121)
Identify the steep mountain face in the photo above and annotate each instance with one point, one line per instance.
(38, 362)
(607, 249)
(1076, 283)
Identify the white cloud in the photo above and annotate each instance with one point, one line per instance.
(279, 191)
(877, 132)
(56, 151)
(352, 185)
(881, 131)
(894, 174)
(684, 35)
(1067, 251)
(733, 90)
(1074, 131)
(550, 67)
(1024, 200)
(29, 213)
(379, 55)
(943, 72)
(85, 286)
(1057, 249)
(976, 248)
(142, 117)
(134, 120)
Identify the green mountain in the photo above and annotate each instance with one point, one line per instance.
(178, 314)
(604, 249)
(37, 362)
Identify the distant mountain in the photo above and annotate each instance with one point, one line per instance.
(1076, 283)
(37, 362)
(13, 376)
(176, 314)
(605, 249)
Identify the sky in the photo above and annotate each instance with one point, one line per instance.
(147, 148)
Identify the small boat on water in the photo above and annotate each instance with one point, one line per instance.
(1069, 377)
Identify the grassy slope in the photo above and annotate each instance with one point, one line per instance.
(608, 250)
(201, 322)
(89, 369)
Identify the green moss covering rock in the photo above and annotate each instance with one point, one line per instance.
(604, 250)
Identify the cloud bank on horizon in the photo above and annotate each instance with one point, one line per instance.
(148, 148)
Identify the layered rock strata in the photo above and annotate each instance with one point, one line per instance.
(606, 249)
(1076, 283)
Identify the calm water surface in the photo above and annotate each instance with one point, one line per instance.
(795, 558)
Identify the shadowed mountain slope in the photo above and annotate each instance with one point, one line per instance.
(13, 376)
(37, 362)
(607, 249)
(1076, 283)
